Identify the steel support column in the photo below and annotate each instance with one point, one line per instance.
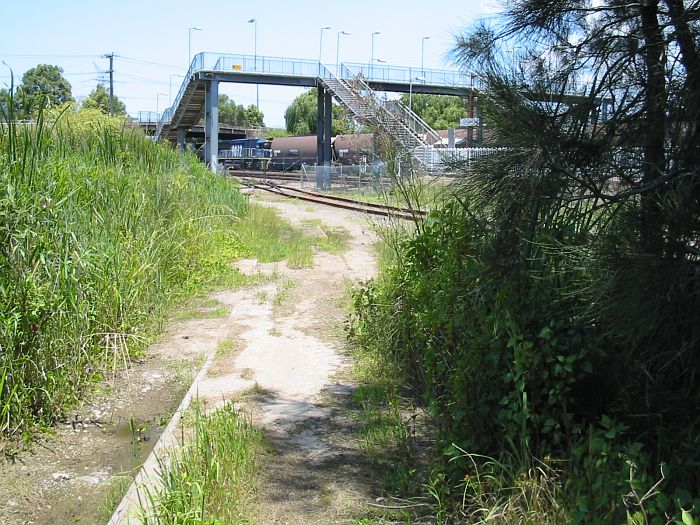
(327, 127)
(319, 125)
(181, 139)
(211, 124)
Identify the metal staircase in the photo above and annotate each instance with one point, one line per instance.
(412, 134)
(188, 107)
(186, 111)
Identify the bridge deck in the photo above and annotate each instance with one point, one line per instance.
(189, 105)
(250, 69)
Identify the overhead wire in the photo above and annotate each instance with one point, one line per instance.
(148, 62)
(48, 56)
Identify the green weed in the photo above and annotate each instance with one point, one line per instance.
(210, 478)
(332, 240)
(225, 347)
(263, 234)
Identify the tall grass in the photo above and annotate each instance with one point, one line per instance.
(209, 479)
(100, 230)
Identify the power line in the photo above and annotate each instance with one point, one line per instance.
(48, 56)
(149, 63)
(141, 82)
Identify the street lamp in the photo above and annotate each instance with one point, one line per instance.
(410, 89)
(422, 54)
(158, 101)
(337, 51)
(371, 60)
(189, 47)
(170, 88)
(320, 46)
(255, 58)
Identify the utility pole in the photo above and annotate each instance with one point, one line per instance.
(111, 82)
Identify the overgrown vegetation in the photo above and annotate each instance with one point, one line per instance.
(100, 231)
(209, 479)
(549, 313)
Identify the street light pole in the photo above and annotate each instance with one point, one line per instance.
(254, 21)
(158, 101)
(337, 52)
(320, 46)
(410, 90)
(371, 59)
(189, 46)
(170, 86)
(422, 54)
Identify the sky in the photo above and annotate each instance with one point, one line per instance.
(151, 40)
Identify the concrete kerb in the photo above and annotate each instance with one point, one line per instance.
(148, 479)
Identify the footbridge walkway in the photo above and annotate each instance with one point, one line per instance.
(353, 85)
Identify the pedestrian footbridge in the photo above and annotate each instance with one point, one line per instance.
(353, 85)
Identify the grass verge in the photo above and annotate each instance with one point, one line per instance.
(210, 478)
(265, 235)
(101, 233)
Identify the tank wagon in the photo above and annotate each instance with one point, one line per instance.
(290, 153)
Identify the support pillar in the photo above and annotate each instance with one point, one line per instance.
(181, 139)
(323, 137)
(319, 125)
(327, 128)
(211, 124)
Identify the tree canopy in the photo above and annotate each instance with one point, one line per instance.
(99, 99)
(233, 114)
(43, 82)
(438, 111)
(597, 197)
(300, 116)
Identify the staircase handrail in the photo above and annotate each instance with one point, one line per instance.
(167, 116)
(411, 117)
(381, 107)
(387, 114)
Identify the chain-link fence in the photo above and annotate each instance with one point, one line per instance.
(353, 176)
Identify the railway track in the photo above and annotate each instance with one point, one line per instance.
(371, 208)
(352, 180)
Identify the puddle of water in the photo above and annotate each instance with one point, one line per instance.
(126, 442)
(141, 435)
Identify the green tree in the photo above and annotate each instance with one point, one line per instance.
(254, 117)
(43, 82)
(230, 113)
(438, 111)
(4, 103)
(99, 99)
(599, 195)
(300, 117)
(233, 114)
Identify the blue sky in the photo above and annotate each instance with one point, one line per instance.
(150, 39)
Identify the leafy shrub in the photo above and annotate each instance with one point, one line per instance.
(509, 361)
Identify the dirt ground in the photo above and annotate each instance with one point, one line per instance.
(287, 347)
